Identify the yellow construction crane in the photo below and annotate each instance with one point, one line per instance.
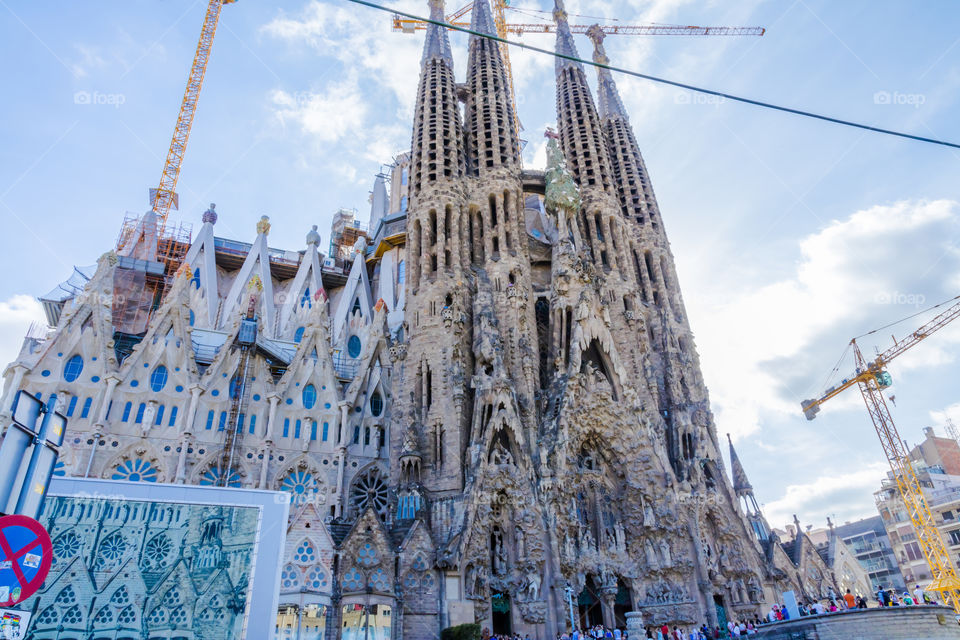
(408, 25)
(164, 197)
(872, 378)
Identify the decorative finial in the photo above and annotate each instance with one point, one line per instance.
(313, 236)
(210, 215)
(596, 35)
(263, 227)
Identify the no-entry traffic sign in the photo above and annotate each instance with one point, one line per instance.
(25, 557)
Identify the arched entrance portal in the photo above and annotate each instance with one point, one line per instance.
(500, 608)
(622, 605)
(588, 603)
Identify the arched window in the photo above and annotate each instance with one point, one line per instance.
(158, 379)
(136, 470)
(305, 299)
(223, 421)
(195, 280)
(193, 318)
(173, 416)
(309, 396)
(71, 370)
(85, 412)
(402, 272)
(126, 412)
(376, 404)
(210, 420)
(159, 419)
(73, 405)
(298, 334)
(354, 346)
(140, 410)
(253, 424)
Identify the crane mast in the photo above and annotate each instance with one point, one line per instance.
(872, 378)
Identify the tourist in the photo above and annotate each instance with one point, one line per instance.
(850, 599)
(907, 599)
(894, 600)
(918, 595)
(772, 616)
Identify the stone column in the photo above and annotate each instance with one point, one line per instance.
(195, 392)
(342, 457)
(608, 599)
(181, 475)
(11, 389)
(265, 451)
(112, 382)
(274, 400)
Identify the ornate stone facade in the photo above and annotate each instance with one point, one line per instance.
(493, 412)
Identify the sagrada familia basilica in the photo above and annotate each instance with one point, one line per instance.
(486, 404)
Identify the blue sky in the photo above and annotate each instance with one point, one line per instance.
(790, 235)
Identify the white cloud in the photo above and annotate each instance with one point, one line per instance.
(842, 497)
(17, 313)
(941, 416)
(766, 346)
(338, 112)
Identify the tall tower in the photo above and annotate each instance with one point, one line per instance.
(432, 394)
(674, 364)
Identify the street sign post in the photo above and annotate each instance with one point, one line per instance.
(28, 455)
(25, 557)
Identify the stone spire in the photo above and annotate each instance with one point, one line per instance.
(437, 145)
(740, 482)
(565, 44)
(491, 135)
(581, 137)
(608, 98)
(437, 44)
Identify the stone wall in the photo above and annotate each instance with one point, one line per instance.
(892, 623)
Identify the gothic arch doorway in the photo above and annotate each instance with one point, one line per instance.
(588, 604)
(500, 613)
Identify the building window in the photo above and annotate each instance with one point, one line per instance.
(955, 536)
(298, 334)
(353, 346)
(948, 515)
(173, 417)
(126, 412)
(296, 430)
(326, 429)
(223, 421)
(253, 424)
(71, 370)
(158, 379)
(309, 396)
(210, 420)
(73, 405)
(366, 436)
(140, 410)
(195, 280)
(159, 418)
(376, 404)
(193, 318)
(402, 272)
(356, 434)
(404, 175)
(286, 427)
(313, 429)
(403, 204)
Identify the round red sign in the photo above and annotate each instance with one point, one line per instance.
(25, 557)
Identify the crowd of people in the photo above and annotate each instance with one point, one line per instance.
(740, 628)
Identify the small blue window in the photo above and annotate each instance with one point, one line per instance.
(353, 346)
(403, 203)
(126, 412)
(376, 404)
(296, 430)
(71, 370)
(158, 379)
(159, 419)
(366, 436)
(173, 417)
(193, 317)
(309, 396)
(404, 175)
(326, 430)
(210, 420)
(140, 410)
(253, 424)
(109, 409)
(298, 334)
(223, 421)
(85, 412)
(195, 280)
(313, 429)
(286, 427)
(356, 434)
(305, 299)
(402, 272)
(73, 405)
(240, 420)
